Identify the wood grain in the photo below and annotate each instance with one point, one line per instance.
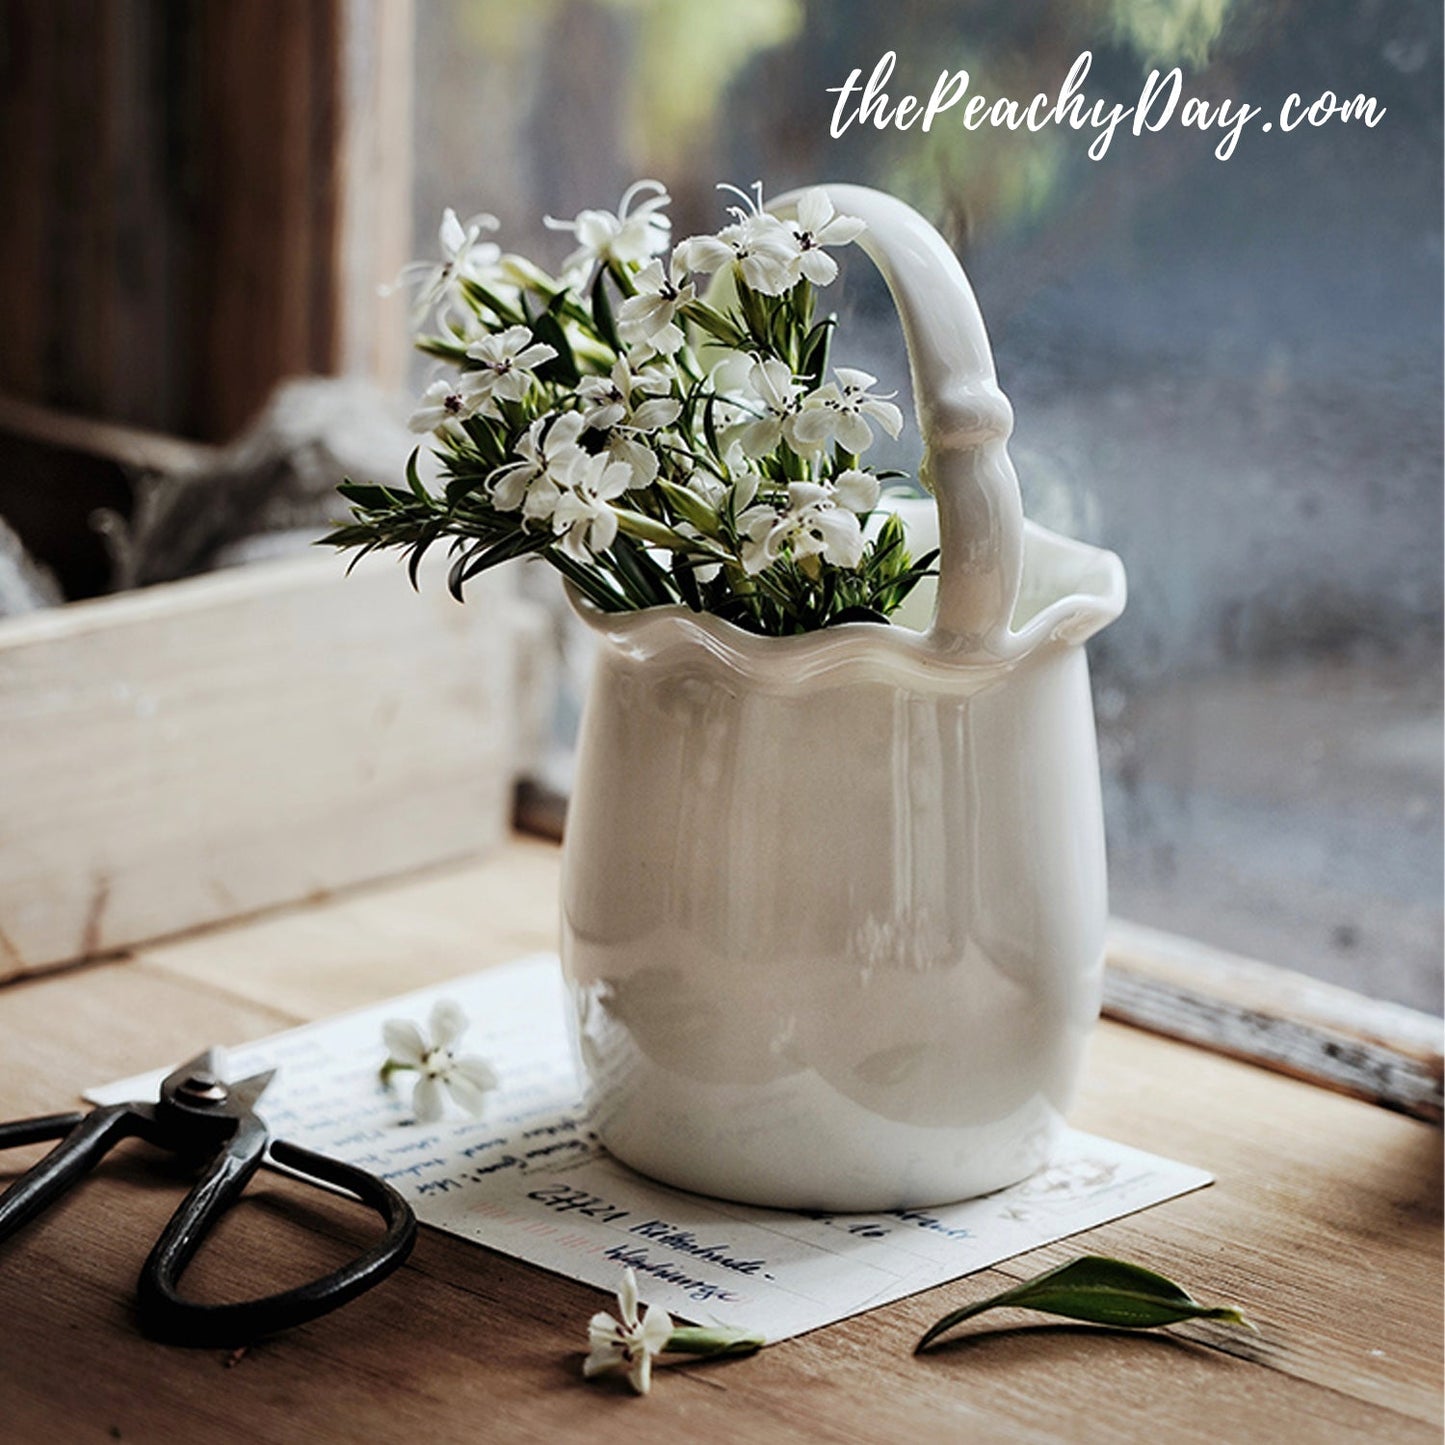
(1324, 1225)
(1379, 1051)
(207, 748)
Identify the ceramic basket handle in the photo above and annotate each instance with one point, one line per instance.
(964, 418)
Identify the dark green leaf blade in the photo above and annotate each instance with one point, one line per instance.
(1100, 1291)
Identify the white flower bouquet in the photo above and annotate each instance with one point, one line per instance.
(658, 439)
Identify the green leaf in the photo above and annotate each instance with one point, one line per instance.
(419, 550)
(857, 613)
(602, 312)
(715, 324)
(413, 479)
(1100, 1291)
(813, 361)
(366, 495)
(688, 505)
(478, 295)
(640, 576)
(562, 368)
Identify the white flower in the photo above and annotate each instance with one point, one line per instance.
(504, 364)
(839, 411)
(547, 450)
(857, 490)
(757, 245)
(582, 516)
(624, 397)
(648, 316)
(467, 1078)
(772, 384)
(627, 405)
(818, 226)
(820, 520)
(465, 256)
(628, 237)
(442, 402)
(627, 1345)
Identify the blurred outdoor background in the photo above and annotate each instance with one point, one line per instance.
(1228, 372)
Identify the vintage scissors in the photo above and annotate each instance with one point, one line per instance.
(214, 1124)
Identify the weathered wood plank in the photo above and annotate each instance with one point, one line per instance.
(207, 748)
(1301, 1026)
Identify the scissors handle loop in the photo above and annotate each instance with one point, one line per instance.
(166, 1316)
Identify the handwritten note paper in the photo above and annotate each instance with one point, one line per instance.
(530, 1179)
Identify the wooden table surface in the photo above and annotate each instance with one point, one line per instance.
(1324, 1225)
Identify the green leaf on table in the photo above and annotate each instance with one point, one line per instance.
(1100, 1291)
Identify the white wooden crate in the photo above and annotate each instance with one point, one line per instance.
(203, 749)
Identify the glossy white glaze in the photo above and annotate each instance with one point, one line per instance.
(833, 905)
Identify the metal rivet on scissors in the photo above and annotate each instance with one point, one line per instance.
(202, 1118)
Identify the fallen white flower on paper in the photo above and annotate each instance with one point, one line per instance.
(629, 1344)
(467, 1078)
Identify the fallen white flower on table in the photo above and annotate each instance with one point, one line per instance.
(627, 1344)
(466, 1078)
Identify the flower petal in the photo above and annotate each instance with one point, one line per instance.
(426, 1100)
(857, 490)
(603, 1360)
(814, 425)
(704, 253)
(640, 1375)
(814, 209)
(656, 1330)
(843, 538)
(655, 414)
(819, 267)
(854, 433)
(533, 356)
(404, 1041)
(886, 415)
(627, 1298)
(760, 437)
(448, 1023)
(451, 235)
(469, 1095)
(840, 231)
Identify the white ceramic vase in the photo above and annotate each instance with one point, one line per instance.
(834, 905)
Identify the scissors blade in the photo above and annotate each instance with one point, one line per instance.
(207, 1065)
(245, 1092)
